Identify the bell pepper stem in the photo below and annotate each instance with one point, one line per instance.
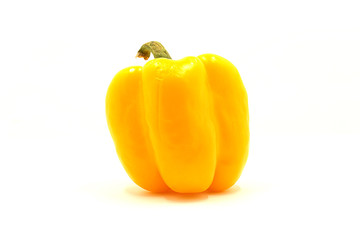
(156, 48)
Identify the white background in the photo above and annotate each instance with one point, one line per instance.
(60, 177)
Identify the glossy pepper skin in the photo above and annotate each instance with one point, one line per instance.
(180, 125)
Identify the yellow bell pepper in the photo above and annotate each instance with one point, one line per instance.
(179, 125)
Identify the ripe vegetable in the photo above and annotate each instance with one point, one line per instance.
(180, 125)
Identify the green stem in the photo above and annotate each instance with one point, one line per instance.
(156, 48)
